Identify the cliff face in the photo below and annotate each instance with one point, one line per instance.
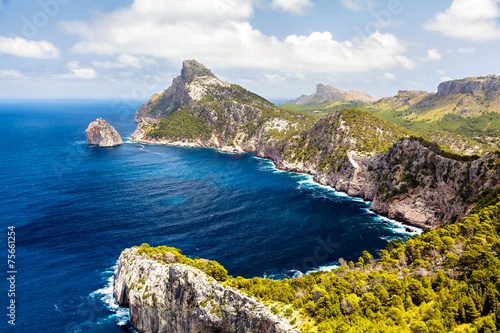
(166, 297)
(170, 100)
(328, 93)
(350, 150)
(102, 134)
(474, 86)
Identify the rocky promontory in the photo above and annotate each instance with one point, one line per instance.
(100, 133)
(408, 179)
(165, 296)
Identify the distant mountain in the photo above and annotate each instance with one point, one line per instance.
(326, 93)
(469, 107)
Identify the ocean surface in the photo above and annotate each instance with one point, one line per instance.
(75, 208)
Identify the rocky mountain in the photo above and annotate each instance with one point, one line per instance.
(408, 179)
(328, 93)
(102, 134)
(468, 107)
(166, 296)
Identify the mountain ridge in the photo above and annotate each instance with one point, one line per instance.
(328, 93)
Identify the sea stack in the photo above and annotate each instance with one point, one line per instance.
(100, 133)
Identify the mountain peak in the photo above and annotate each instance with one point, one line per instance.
(328, 93)
(192, 69)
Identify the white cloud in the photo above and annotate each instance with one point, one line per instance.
(11, 74)
(446, 78)
(78, 73)
(389, 76)
(475, 20)
(358, 4)
(124, 61)
(433, 55)
(296, 7)
(178, 30)
(469, 50)
(28, 48)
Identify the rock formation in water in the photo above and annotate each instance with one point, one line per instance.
(168, 297)
(350, 150)
(100, 133)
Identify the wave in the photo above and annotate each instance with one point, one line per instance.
(395, 226)
(120, 315)
(324, 268)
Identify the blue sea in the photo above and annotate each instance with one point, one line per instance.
(75, 208)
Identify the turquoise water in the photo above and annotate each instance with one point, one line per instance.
(75, 208)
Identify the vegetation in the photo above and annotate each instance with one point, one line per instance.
(161, 253)
(330, 138)
(439, 151)
(445, 280)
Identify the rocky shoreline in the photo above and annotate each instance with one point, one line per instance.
(360, 176)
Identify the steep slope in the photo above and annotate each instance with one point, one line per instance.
(353, 151)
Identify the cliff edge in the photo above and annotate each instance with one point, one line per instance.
(165, 296)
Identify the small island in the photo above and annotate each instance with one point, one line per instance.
(100, 133)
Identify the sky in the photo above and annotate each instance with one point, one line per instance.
(280, 49)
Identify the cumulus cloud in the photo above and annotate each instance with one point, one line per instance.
(125, 61)
(433, 55)
(357, 4)
(11, 74)
(78, 73)
(296, 7)
(389, 76)
(219, 34)
(21, 47)
(474, 20)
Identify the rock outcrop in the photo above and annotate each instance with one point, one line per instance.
(166, 297)
(328, 93)
(170, 100)
(474, 86)
(100, 133)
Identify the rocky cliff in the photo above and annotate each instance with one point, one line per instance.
(474, 86)
(353, 151)
(328, 93)
(169, 297)
(102, 134)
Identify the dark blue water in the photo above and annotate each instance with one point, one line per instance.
(75, 208)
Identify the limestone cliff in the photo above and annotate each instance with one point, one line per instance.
(102, 134)
(169, 297)
(489, 84)
(350, 150)
(164, 103)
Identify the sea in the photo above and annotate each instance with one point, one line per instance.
(74, 208)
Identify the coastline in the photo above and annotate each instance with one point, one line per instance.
(214, 143)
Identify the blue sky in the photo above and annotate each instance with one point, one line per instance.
(277, 48)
